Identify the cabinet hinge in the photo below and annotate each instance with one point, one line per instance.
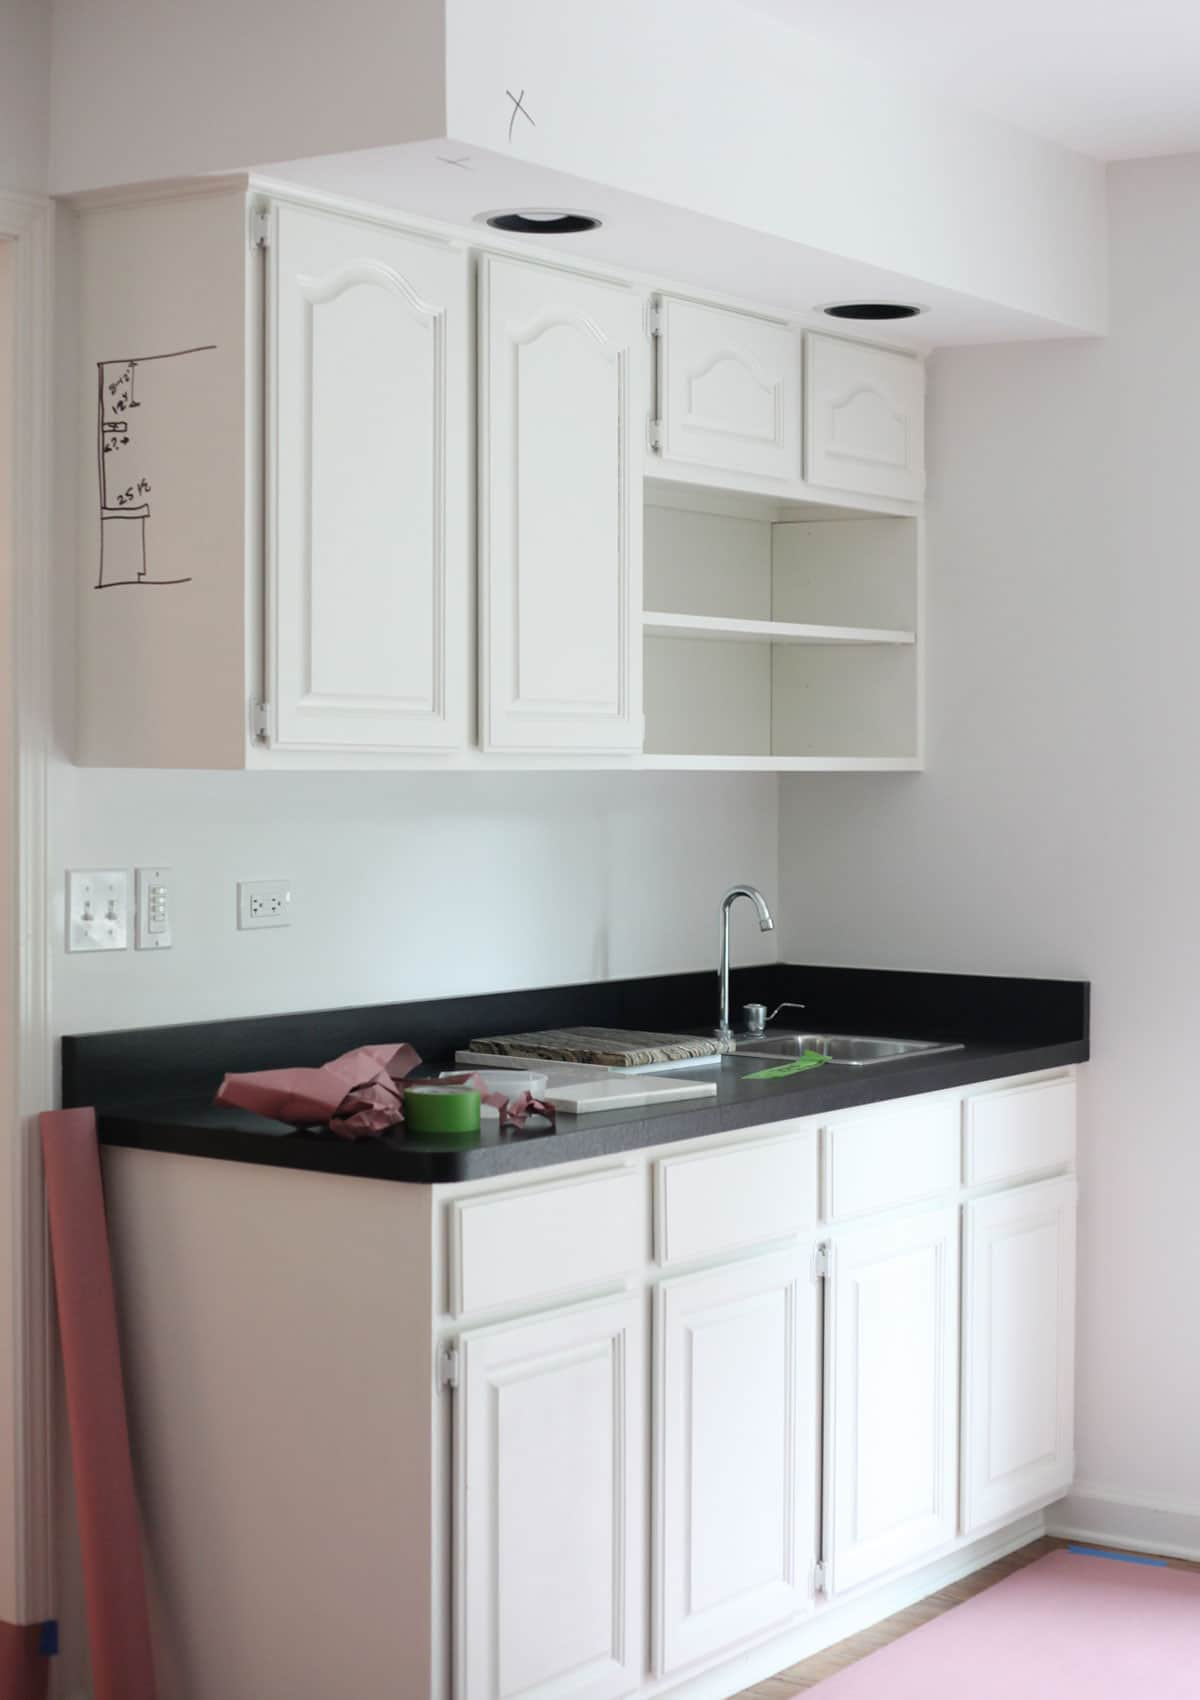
(820, 1576)
(654, 319)
(260, 230)
(447, 1368)
(654, 433)
(260, 721)
(821, 1263)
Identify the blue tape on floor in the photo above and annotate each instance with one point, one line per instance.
(1121, 1557)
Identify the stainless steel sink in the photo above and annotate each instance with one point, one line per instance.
(851, 1048)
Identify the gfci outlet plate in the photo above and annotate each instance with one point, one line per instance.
(264, 903)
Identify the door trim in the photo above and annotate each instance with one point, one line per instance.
(25, 1036)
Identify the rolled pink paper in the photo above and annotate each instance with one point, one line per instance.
(110, 1538)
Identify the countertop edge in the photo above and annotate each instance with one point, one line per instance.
(584, 1138)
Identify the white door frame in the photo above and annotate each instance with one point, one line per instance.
(26, 1062)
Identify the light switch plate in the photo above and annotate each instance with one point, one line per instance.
(152, 894)
(97, 909)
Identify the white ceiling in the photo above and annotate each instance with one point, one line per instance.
(1117, 79)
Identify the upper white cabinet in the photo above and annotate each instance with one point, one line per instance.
(864, 419)
(562, 404)
(333, 514)
(729, 391)
(370, 505)
(737, 1469)
(891, 1396)
(551, 1522)
(1018, 1348)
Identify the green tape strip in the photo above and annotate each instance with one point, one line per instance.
(810, 1059)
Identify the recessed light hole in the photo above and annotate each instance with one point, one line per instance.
(872, 310)
(539, 221)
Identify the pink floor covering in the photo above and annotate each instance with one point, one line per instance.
(1068, 1627)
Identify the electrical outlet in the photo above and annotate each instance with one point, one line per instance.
(264, 903)
(97, 909)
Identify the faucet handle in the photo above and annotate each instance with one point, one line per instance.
(786, 1004)
(754, 1017)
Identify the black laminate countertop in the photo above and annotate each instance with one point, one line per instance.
(153, 1088)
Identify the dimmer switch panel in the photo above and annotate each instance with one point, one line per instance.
(153, 909)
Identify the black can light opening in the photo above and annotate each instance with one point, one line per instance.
(872, 310)
(534, 221)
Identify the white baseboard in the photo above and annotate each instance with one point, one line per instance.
(834, 1622)
(1137, 1524)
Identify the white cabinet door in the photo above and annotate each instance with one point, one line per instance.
(729, 391)
(1018, 1350)
(369, 506)
(864, 418)
(891, 1416)
(736, 1522)
(563, 377)
(550, 1509)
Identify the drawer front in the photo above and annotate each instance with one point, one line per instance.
(542, 1242)
(1023, 1131)
(889, 1157)
(716, 1201)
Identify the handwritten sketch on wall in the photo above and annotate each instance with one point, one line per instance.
(140, 401)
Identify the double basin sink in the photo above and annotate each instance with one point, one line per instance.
(851, 1048)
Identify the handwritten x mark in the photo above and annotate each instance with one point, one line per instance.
(518, 106)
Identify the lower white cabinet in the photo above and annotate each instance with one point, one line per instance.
(1018, 1350)
(736, 1464)
(550, 1527)
(891, 1396)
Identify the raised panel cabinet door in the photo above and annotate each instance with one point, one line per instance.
(550, 1512)
(864, 418)
(1018, 1350)
(737, 1372)
(891, 1389)
(369, 502)
(563, 378)
(729, 388)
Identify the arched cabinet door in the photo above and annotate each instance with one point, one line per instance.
(729, 391)
(562, 385)
(368, 500)
(865, 419)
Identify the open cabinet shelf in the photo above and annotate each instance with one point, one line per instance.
(785, 644)
(764, 631)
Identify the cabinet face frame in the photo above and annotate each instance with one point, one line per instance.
(990, 1496)
(605, 1335)
(600, 326)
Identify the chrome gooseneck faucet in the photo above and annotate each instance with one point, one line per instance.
(766, 925)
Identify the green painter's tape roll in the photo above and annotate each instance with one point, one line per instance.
(432, 1112)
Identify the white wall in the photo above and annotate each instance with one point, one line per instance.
(145, 91)
(1057, 831)
(24, 94)
(410, 886)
